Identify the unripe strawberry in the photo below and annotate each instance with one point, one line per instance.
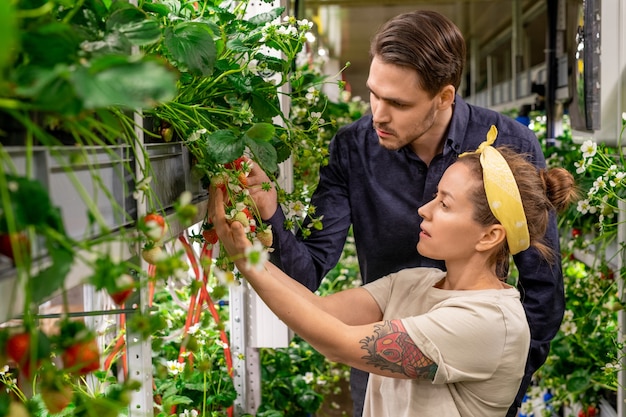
(266, 237)
(243, 179)
(56, 398)
(17, 409)
(242, 218)
(153, 255)
(219, 181)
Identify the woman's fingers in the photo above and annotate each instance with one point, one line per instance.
(233, 235)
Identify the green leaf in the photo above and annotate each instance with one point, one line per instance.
(50, 279)
(51, 44)
(237, 45)
(191, 45)
(283, 151)
(134, 25)
(120, 81)
(105, 273)
(223, 146)
(48, 89)
(578, 381)
(261, 132)
(159, 9)
(29, 201)
(310, 401)
(264, 154)
(8, 33)
(267, 17)
(273, 63)
(110, 44)
(265, 106)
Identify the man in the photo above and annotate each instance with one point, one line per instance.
(386, 165)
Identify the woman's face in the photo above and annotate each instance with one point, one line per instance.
(449, 231)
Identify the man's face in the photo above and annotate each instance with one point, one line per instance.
(402, 111)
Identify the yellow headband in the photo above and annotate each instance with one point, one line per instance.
(502, 194)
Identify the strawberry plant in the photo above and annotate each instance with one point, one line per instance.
(201, 74)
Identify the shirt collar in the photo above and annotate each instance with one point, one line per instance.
(458, 127)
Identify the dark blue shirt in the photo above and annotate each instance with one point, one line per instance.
(378, 191)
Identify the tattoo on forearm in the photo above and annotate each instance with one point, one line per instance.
(391, 348)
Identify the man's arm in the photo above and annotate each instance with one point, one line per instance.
(541, 288)
(309, 259)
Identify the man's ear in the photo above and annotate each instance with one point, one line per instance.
(446, 97)
(494, 235)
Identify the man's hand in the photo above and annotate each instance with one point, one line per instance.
(262, 192)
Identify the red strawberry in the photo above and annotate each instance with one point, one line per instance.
(18, 348)
(10, 241)
(82, 357)
(210, 235)
(153, 226)
(124, 287)
(236, 164)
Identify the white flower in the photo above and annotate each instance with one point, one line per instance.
(188, 413)
(221, 344)
(194, 329)
(583, 206)
(619, 179)
(175, 367)
(308, 377)
(568, 315)
(256, 256)
(196, 135)
(599, 183)
(185, 198)
(141, 187)
(580, 166)
(569, 328)
(296, 209)
(589, 148)
(224, 277)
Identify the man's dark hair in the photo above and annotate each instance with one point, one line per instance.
(426, 41)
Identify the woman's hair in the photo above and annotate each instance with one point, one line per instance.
(541, 191)
(426, 41)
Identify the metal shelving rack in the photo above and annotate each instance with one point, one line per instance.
(252, 324)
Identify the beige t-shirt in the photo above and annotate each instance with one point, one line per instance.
(479, 340)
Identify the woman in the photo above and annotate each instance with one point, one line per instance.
(437, 343)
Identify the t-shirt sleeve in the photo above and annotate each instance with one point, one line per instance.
(380, 290)
(465, 340)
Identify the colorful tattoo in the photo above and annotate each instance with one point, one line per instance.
(392, 349)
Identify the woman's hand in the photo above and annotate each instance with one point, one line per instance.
(232, 236)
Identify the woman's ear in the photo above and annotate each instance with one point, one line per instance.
(494, 236)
